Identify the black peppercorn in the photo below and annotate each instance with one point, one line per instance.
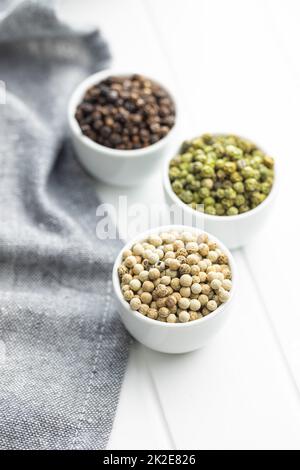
(126, 112)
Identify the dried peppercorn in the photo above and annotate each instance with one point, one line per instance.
(126, 113)
(226, 174)
(198, 285)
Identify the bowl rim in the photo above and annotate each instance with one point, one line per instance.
(158, 324)
(220, 218)
(97, 77)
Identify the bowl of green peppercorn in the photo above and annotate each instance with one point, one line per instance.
(226, 181)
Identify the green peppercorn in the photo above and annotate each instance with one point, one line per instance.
(219, 209)
(220, 193)
(207, 171)
(239, 200)
(229, 193)
(234, 152)
(236, 177)
(177, 186)
(247, 172)
(232, 211)
(251, 184)
(230, 167)
(265, 188)
(226, 174)
(186, 196)
(210, 210)
(239, 187)
(209, 201)
(204, 192)
(207, 183)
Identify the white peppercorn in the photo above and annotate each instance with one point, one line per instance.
(148, 286)
(192, 260)
(138, 268)
(212, 305)
(223, 295)
(169, 290)
(161, 290)
(195, 305)
(178, 244)
(203, 249)
(144, 309)
(216, 284)
(165, 280)
(168, 251)
(130, 261)
(135, 285)
(163, 312)
(196, 288)
(126, 254)
(175, 283)
(154, 274)
(192, 247)
(195, 270)
(186, 280)
(135, 303)
(203, 299)
(171, 302)
(153, 258)
(173, 264)
(188, 237)
(184, 316)
(202, 276)
(206, 289)
(128, 295)
(173, 310)
(227, 284)
(177, 296)
(155, 240)
(203, 238)
(194, 316)
(185, 292)
(170, 273)
(213, 256)
(184, 303)
(171, 318)
(138, 249)
(175, 277)
(152, 313)
(143, 276)
(122, 270)
(146, 298)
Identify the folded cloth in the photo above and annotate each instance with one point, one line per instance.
(63, 350)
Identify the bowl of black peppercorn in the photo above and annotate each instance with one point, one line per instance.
(121, 125)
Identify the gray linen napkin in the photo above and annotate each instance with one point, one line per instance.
(65, 349)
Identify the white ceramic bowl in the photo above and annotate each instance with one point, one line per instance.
(235, 231)
(167, 337)
(112, 166)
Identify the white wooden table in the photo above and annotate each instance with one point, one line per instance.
(236, 67)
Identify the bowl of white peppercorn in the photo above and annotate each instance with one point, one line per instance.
(121, 125)
(174, 286)
(225, 182)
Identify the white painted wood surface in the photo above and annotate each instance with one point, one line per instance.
(236, 67)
